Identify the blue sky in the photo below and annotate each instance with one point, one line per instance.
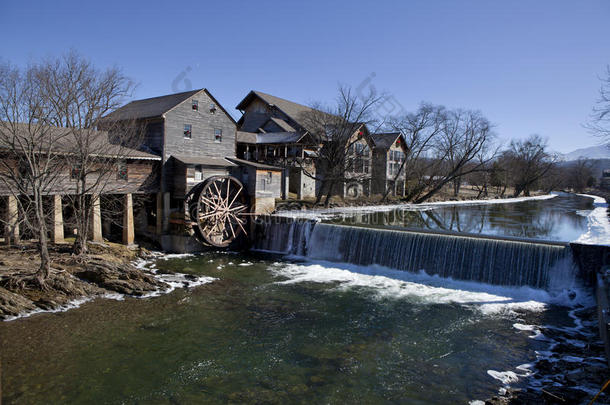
(529, 66)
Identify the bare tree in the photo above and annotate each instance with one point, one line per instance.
(32, 162)
(444, 146)
(600, 124)
(578, 175)
(527, 162)
(80, 95)
(338, 131)
(420, 129)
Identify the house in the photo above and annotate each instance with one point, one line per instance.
(358, 174)
(273, 131)
(389, 153)
(276, 131)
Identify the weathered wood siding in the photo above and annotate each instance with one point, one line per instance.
(259, 182)
(268, 183)
(202, 142)
(142, 177)
(153, 136)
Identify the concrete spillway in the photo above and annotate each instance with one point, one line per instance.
(499, 261)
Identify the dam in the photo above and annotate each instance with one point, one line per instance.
(491, 260)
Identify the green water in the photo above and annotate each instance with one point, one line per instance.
(250, 337)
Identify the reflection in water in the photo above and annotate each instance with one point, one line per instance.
(554, 219)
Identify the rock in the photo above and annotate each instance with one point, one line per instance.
(121, 278)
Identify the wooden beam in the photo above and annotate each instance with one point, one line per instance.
(128, 230)
(95, 227)
(57, 229)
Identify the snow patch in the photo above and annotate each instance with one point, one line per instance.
(598, 226)
(506, 377)
(329, 213)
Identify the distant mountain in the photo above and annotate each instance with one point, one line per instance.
(593, 152)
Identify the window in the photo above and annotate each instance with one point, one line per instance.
(212, 108)
(121, 171)
(187, 131)
(75, 172)
(366, 166)
(217, 135)
(195, 105)
(198, 173)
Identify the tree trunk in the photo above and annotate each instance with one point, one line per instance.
(43, 246)
(45, 261)
(456, 187)
(320, 192)
(82, 226)
(329, 194)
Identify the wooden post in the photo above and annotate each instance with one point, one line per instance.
(11, 232)
(128, 231)
(57, 230)
(285, 178)
(166, 212)
(95, 228)
(159, 212)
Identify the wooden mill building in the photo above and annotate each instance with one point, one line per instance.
(131, 175)
(183, 139)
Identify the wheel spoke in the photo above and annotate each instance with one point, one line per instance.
(218, 208)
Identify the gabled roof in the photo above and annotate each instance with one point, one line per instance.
(157, 106)
(385, 140)
(294, 110)
(150, 107)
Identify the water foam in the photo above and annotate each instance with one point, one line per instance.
(421, 288)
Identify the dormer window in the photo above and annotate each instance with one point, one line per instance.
(195, 105)
(187, 131)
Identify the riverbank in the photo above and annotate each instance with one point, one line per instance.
(572, 371)
(107, 272)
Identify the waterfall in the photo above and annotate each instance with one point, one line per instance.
(486, 260)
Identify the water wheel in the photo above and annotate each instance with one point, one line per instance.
(218, 209)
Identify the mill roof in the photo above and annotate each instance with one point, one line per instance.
(157, 106)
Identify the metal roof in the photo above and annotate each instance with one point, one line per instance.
(62, 140)
(157, 106)
(204, 161)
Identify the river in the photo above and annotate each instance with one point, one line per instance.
(267, 329)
